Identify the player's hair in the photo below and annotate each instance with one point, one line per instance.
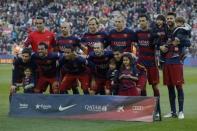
(26, 50)
(171, 13)
(65, 22)
(180, 19)
(27, 68)
(101, 44)
(117, 50)
(144, 15)
(121, 15)
(161, 17)
(129, 56)
(70, 47)
(43, 44)
(93, 18)
(40, 17)
(112, 61)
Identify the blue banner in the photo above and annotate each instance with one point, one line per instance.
(84, 107)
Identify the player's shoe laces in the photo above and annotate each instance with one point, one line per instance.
(181, 115)
(169, 115)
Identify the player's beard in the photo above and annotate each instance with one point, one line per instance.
(41, 54)
(171, 24)
(99, 53)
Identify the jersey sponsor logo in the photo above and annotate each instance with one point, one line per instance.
(143, 43)
(120, 43)
(61, 108)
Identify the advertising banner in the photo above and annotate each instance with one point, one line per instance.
(84, 107)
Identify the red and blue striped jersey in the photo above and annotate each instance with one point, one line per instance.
(76, 66)
(89, 39)
(47, 66)
(70, 41)
(99, 65)
(121, 41)
(146, 48)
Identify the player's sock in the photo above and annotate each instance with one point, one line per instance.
(85, 92)
(158, 106)
(75, 90)
(157, 94)
(172, 97)
(63, 92)
(143, 92)
(155, 90)
(180, 97)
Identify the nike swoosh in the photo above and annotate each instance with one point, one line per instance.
(66, 107)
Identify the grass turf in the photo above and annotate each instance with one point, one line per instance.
(39, 124)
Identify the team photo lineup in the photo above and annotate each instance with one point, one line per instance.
(120, 61)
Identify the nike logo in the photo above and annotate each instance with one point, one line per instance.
(66, 107)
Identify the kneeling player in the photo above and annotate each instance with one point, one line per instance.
(73, 68)
(47, 69)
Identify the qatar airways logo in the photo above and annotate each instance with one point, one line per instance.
(96, 108)
(143, 42)
(119, 43)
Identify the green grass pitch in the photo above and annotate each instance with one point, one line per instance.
(42, 124)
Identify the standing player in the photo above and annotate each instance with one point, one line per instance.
(68, 40)
(93, 35)
(47, 69)
(98, 61)
(121, 38)
(73, 67)
(173, 68)
(160, 37)
(40, 35)
(146, 55)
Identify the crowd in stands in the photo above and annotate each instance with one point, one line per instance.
(17, 16)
